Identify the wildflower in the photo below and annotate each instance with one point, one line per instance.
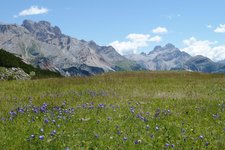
(84, 105)
(43, 108)
(42, 130)
(96, 135)
(35, 110)
(32, 136)
(136, 142)
(53, 133)
(125, 138)
(21, 110)
(64, 103)
(41, 137)
(201, 137)
(172, 145)
(53, 121)
(132, 110)
(101, 105)
(215, 116)
(91, 107)
(207, 144)
(118, 132)
(46, 120)
(66, 111)
(147, 127)
(145, 120)
(12, 113)
(30, 101)
(138, 116)
(156, 128)
(167, 145)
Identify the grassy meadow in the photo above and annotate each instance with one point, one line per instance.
(123, 110)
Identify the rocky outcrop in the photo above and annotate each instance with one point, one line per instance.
(13, 74)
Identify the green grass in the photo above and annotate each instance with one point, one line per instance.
(96, 112)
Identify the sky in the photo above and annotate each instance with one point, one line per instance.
(131, 26)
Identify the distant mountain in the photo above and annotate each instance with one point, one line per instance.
(161, 58)
(45, 46)
(171, 58)
(222, 61)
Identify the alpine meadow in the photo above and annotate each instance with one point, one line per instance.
(123, 110)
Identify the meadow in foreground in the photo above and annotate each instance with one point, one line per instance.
(127, 110)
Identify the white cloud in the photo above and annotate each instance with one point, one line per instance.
(204, 47)
(155, 38)
(209, 26)
(134, 43)
(220, 29)
(138, 37)
(33, 10)
(159, 30)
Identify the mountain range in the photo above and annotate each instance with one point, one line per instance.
(45, 46)
(171, 58)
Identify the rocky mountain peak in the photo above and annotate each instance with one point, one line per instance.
(42, 29)
(12, 28)
(41, 25)
(157, 48)
(44, 23)
(169, 46)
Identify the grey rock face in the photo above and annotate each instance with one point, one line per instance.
(43, 45)
(13, 74)
(202, 64)
(42, 30)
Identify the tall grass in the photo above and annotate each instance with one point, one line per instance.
(124, 110)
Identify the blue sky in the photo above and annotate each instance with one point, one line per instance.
(131, 26)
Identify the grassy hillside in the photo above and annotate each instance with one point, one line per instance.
(128, 110)
(8, 60)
